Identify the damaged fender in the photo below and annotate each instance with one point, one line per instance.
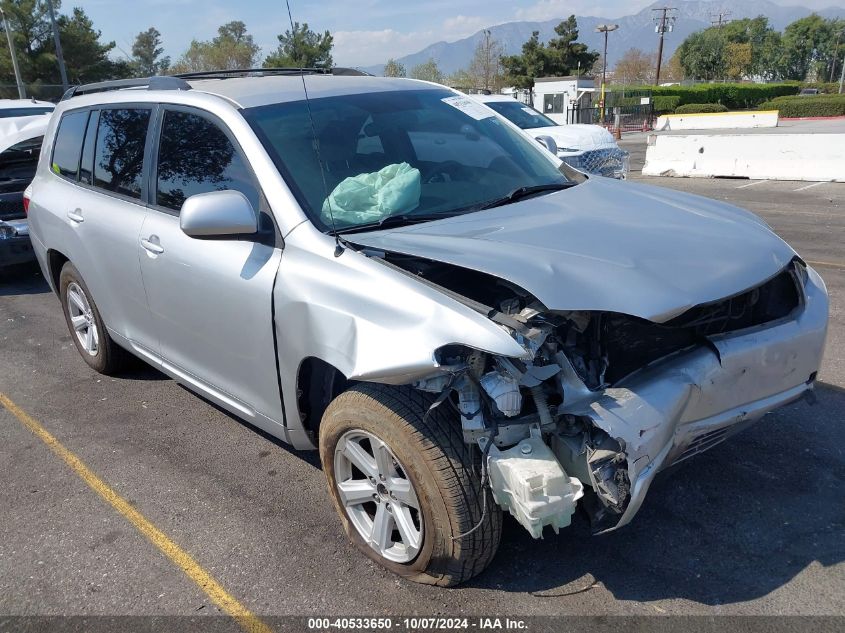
(367, 320)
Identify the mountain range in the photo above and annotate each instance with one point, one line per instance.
(635, 31)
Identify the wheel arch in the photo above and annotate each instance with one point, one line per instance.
(55, 261)
(317, 383)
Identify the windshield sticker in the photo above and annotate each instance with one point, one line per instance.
(469, 107)
(529, 111)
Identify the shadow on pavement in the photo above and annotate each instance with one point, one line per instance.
(22, 279)
(732, 524)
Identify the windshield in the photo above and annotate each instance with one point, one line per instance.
(421, 154)
(521, 115)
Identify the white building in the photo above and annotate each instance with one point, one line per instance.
(553, 96)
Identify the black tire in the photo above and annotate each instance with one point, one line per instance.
(442, 468)
(109, 357)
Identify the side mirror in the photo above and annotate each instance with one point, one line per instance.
(549, 143)
(218, 214)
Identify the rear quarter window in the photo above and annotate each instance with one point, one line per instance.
(68, 145)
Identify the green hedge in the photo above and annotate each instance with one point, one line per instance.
(826, 87)
(698, 108)
(823, 105)
(666, 103)
(732, 96)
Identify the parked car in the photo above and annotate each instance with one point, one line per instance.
(589, 148)
(20, 145)
(809, 92)
(394, 275)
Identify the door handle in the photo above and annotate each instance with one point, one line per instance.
(152, 247)
(75, 216)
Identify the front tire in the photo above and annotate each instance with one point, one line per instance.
(405, 485)
(86, 326)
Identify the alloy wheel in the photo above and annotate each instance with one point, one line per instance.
(378, 496)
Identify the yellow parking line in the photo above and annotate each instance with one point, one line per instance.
(213, 589)
(826, 264)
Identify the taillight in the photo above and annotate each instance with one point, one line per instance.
(26, 204)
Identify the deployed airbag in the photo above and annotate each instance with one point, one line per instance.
(372, 196)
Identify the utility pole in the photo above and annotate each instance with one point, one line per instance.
(59, 55)
(664, 22)
(719, 19)
(21, 89)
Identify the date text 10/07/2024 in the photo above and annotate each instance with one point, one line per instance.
(417, 624)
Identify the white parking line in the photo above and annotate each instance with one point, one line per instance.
(751, 184)
(814, 184)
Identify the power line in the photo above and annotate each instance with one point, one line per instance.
(664, 22)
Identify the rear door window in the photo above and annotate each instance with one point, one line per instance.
(68, 145)
(119, 151)
(196, 156)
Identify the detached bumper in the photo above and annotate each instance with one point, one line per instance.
(691, 402)
(15, 246)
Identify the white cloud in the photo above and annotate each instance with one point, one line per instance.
(549, 9)
(365, 48)
(464, 25)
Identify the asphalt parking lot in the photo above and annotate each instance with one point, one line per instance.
(754, 526)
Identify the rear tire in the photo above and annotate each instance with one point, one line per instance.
(87, 330)
(442, 471)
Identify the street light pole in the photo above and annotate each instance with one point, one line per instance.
(21, 89)
(604, 28)
(842, 76)
(59, 56)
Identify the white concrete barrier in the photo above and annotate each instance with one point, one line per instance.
(817, 157)
(717, 120)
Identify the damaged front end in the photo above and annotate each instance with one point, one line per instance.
(601, 401)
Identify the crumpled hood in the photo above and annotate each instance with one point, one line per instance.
(13, 130)
(576, 136)
(605, 245)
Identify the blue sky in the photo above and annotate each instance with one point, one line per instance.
(366, 31)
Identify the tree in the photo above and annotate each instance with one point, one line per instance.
(521, 70)
(232, 49)
(565, 53)
(702, 54)
(563, 56)
(393, 69)
(302, 48)
(86, 58)
(146, 54)
(427, 71)
(808, 47)
(762, 56)
(635, 67)
(461, 79)
(738, 60)
(485, 69)
(673, 70)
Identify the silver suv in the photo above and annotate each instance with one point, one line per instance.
(385, 270)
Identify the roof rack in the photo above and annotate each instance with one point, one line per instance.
(268, 72)
(150, 83)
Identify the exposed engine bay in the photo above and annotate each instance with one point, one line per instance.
(554, 425)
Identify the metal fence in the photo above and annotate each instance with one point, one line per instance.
(630, 118)
(42, 92)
